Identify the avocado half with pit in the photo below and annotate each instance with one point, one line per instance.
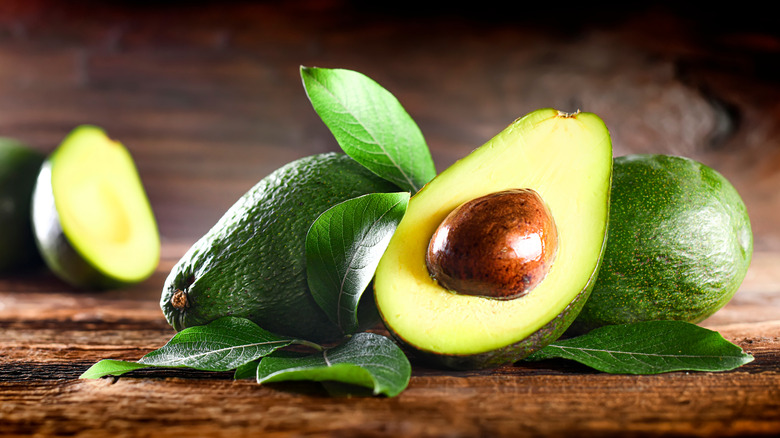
(496, 256)
(92, 220)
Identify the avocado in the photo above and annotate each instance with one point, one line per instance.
(680, 244)
(92, 221)
(566, 159)
(19, 166)
(252, 263)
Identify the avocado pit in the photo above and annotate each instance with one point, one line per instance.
(500, 245)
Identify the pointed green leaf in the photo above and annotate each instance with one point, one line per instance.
(650, 347)
(343, 248)
(367, 359)
(110, 367)
(370, 125)
(222, 345)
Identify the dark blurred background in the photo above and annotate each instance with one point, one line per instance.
(208, 98)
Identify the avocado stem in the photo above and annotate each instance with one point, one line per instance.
(566, 115)
(179, 300)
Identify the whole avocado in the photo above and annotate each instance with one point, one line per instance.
(19, 166)
(678, 247)
(252, 263)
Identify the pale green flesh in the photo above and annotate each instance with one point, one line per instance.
(567, 160)
(102, 206)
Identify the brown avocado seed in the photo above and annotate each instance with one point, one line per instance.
(499, 245)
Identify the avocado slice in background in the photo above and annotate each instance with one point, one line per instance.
(252, 263)
(680, 244)
(567, 160)
(19, 167)
(92, 220)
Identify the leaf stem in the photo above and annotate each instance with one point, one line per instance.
(310, 344)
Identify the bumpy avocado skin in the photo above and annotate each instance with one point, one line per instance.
(679, 244)
(19, 166)
(252, 262)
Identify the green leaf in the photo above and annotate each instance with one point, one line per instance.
(370, 125)
(367, 359)
(247, 370)
(222, 345)
(343, 248)
(650, 347)
(110, 367)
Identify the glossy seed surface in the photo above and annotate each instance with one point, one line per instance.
(500, 245)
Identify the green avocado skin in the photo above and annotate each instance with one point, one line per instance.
(679, 244)
(251, 264)
(19, 166)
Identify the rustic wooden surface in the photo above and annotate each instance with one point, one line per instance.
(208, 99)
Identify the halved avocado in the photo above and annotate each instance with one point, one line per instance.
(567, 160)
(92, 220)
(19, 166)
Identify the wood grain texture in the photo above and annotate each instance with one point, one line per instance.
(43, 352)
(208, 99)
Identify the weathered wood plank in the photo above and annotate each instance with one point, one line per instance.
(42, 355)
(511, 401)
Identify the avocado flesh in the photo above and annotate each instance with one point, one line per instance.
(93, 222)
(252, 263)
(680, 244)
(567, 159)
(19, 167)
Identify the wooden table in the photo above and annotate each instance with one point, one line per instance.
(52, 334)
(208, 99)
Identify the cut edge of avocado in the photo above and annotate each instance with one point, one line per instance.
(93, 222)
(464, 331)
